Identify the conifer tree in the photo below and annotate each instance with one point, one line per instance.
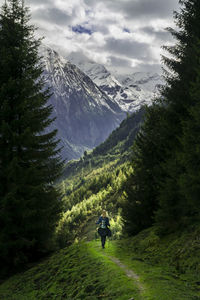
(189, 156)
(142, 186)
(179, 102)
(29, 155)
(159, 179)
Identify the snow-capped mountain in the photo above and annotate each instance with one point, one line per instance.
(141, 87)
(85, 115)
(88, 101)
(97, 72)
(130, 92)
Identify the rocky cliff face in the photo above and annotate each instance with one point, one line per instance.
(85, 115)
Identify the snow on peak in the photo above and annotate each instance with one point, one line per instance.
(67, 79)
(128, 91)
(85, 115)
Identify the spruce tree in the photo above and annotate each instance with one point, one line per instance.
(189, 156)
(141, 189)
(179, 102)
(157, 189)
(29, 156)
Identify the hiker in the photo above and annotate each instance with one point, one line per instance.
(103, 230)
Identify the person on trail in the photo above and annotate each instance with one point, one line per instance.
(103, 230)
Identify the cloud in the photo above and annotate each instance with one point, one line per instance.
(118, 61)
(119, 33)
(130, 49)
(147, 67)
(162, 35)
(142, 8)
(36, 2)
(52, 15)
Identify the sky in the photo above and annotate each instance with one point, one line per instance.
(124, 35)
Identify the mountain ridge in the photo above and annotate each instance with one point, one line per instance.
(84, 114)
(129, 91)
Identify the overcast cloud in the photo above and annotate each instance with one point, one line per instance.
(124, 35)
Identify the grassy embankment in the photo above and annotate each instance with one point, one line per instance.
(80, 271)
(168, 269)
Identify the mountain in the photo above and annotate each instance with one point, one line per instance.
(116, 148)
(85, 115)
(130, 91)
(88, 101)
(141, 86)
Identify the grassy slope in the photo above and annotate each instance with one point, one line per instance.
(84, 271)
(77, 272)
(168, 266)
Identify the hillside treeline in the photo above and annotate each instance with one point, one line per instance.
(97, 181)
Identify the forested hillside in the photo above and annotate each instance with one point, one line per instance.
(117, 145)
(97, 181)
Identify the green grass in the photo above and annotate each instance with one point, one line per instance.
(85, 271)
(161, 280)
(77, 272)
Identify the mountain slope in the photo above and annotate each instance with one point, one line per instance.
(116, 146)
(130, 92)
(77, 272)
(84, 271)
(85, 115)
(97, 180)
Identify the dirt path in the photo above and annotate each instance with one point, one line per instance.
(128, 272)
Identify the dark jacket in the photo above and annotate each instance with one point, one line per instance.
(106, 220)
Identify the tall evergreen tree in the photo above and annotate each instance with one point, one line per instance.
(29, 156)
(158, 173)
(142, 186)
(179, 102)
(189, 156)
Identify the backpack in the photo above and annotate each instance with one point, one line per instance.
(109, 233)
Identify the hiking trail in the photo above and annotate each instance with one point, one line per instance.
(128, 272)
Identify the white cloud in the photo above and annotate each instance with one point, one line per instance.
(118, 33)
